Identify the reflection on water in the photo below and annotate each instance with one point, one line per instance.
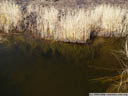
(31, 67)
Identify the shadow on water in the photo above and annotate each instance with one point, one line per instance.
(30, 67)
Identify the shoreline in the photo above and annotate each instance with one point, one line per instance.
(67, 25)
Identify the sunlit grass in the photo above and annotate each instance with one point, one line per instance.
(76, 25)
(70, 25)
(10, 16)
(47, 19)
(113, 20)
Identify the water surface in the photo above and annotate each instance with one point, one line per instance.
(30, 67)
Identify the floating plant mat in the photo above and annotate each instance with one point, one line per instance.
(30, 67)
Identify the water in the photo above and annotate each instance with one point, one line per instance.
(30, 67)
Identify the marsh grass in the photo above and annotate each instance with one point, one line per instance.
(66, 24)
(77, 25)
(74, 26)
(10, 16)
(47, 22)
(114, 20)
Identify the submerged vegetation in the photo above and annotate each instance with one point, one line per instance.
(68, 25)
(119, 82)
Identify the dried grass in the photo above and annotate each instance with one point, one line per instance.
(113, 20)
(72, 25)
(10, 16)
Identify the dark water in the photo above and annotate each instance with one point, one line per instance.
(31, 67)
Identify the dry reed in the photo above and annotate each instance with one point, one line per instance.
(10, 16)
(74, 25)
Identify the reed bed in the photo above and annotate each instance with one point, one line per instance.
(10, 16)
(47, 19)
(75, 26)
(113, 20)
(69, 25)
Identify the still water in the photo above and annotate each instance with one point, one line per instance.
(30, 67)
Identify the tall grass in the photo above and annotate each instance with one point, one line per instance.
(71, 25)
(75, 26)
(10, 16)
(113, 20)
(47, 19)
